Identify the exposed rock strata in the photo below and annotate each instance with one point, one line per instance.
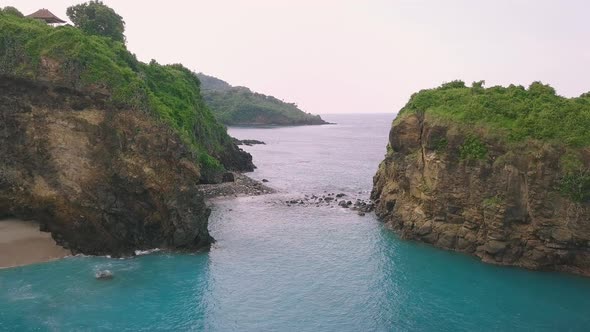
(505, 209)
(102, 180)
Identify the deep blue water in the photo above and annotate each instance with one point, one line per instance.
(299, 268)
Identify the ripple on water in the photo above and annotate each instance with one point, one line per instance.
(279, 268)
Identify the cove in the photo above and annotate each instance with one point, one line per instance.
(289, 268)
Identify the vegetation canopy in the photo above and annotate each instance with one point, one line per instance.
(537, 112)
(96, 18)
(12, 11)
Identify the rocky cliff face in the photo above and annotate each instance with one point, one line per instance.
(505, 208)
(102, 180)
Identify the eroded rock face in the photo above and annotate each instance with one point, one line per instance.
(506, 208)
(102, 180)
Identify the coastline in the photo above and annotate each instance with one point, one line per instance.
(242, 185)
(275, 125)
(22, 243)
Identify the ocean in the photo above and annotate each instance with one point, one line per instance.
(290, 267)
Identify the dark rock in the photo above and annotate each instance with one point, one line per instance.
(248, 142)
(104, 275)
(264, 180)
(228, 177)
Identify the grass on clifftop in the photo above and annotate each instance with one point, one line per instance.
(171, 92)
(537, 112)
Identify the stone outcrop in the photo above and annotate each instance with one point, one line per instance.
(505, 208)
(101, 179)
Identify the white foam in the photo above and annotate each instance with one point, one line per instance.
(146, 252)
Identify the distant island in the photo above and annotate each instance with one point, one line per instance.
(240, 106)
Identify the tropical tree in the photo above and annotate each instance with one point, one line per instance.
(96, 18)
(12, 10)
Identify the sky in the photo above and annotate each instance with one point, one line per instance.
(369, 56)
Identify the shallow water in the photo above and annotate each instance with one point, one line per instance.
(298, 268)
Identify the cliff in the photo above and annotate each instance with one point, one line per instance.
(105, 151)
(485, 172)
(239, 106)
(67, 57)
(101, 179)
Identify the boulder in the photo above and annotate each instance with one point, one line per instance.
(104, 275)
(228, 177)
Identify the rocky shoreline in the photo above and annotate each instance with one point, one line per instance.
(341, 200)
(242, 185)
(247, 142)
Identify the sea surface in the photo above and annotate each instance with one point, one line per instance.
(276, 267)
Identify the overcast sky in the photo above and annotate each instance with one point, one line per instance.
(340, 56)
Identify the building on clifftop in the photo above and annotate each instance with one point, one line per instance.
(47, 16)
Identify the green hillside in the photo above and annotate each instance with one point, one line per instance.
(240, 106)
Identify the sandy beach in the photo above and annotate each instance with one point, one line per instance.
(21, 243)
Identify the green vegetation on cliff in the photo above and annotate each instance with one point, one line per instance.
(515, 114)
(95, 18)
(240, 106)
(12, 11)
(537, 112)
(68, 56)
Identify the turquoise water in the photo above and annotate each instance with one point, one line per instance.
(299, 268)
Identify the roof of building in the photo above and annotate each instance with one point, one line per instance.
(46, 15)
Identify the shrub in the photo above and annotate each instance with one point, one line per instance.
(456, 84)
(440, 144)
(576, 186)
(12, 11)
(492, 201)
(473, 149)
(478, 85)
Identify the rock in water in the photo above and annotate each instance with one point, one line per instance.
(103, 180)
(104, 275)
